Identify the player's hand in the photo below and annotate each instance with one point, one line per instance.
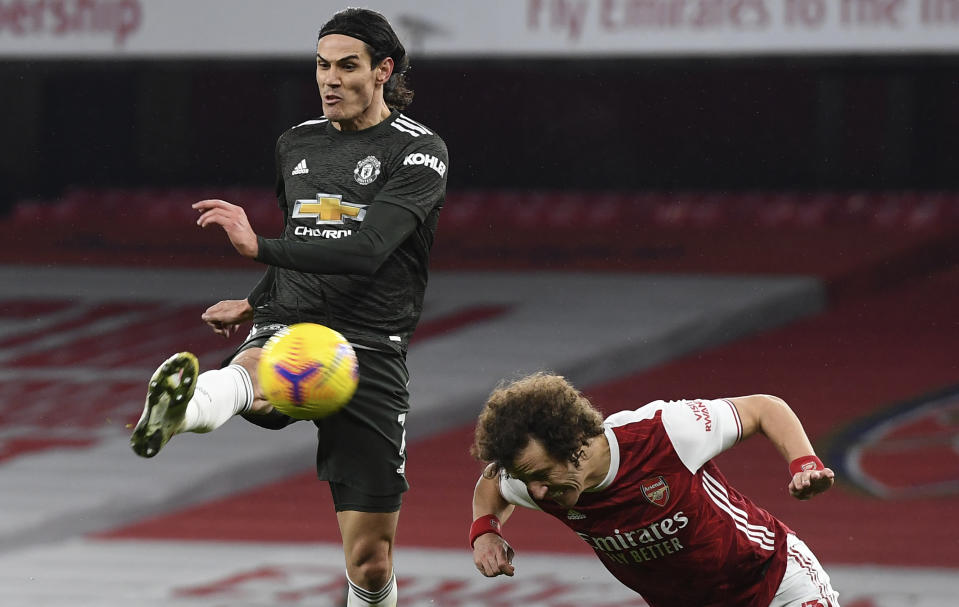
(492, 555)
(233, 220)
(224, 317)
(808, 483)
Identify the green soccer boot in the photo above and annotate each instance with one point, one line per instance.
(170, 389)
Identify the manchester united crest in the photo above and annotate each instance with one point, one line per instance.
(656, 490)
(367, 170)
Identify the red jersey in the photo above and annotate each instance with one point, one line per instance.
(665, 521)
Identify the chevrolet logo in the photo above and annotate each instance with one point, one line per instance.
(328, 208)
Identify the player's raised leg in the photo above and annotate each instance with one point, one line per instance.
(179, 400)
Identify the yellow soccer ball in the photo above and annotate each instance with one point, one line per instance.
(308, 371)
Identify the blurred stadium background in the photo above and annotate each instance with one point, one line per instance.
(658, 198)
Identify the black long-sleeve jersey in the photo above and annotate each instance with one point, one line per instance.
(361, 210)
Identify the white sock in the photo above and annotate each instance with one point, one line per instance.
(220, 394)
(384, 597)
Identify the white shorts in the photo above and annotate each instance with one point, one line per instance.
(805, 583)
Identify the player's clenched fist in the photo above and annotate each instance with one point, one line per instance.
(224, 317)
(493, 556)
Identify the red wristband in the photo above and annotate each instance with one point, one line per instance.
(806, 462)
(485, 524)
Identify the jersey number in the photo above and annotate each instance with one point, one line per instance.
(402, 419)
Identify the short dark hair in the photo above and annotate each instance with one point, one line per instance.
(541, 406)
(381, 42)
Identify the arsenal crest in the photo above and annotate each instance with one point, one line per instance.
(656, 490)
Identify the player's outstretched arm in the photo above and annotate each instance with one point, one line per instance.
(233, 220)
(492, 555)
(385, 228)
(224, 317)
(772, 417)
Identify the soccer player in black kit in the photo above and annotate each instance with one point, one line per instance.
(361, 190)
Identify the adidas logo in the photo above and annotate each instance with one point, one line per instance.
(300, 169)
(575, 516)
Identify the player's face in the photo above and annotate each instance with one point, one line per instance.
(548, 478)
(350, 87)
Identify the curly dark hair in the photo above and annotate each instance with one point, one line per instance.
(541, 406)
(381, 42)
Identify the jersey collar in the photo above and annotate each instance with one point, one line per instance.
(613, 461)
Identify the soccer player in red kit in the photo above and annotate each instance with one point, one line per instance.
(640, 488)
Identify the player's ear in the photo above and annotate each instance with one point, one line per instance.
(491, 471)
(384, 70)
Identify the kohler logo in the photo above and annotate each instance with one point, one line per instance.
(426, 160)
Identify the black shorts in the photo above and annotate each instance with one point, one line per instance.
(348, 498)
(362, 447)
